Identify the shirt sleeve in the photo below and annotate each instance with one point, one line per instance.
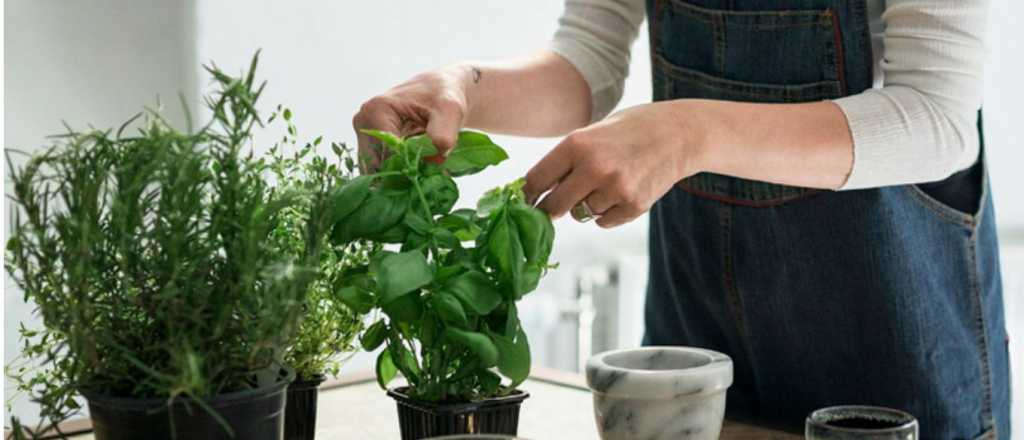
(595, 36)
(920, 126)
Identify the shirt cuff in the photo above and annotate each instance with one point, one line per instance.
(899, 138)
(604, 95)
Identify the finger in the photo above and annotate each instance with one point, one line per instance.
(568, 193)
(616, 216)
(444, 124)
(547, 173)
(601, 201)
(370, 151)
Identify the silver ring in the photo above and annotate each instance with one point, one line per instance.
(582, 212)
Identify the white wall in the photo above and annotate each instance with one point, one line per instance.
(1003, 115)
(93, 62)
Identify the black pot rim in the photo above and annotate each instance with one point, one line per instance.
(221, 400)
(515, 398)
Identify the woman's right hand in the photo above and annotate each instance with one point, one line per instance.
(434, 102)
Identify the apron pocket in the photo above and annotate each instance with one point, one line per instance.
(770, 47)
(683, 82)
(957, 199)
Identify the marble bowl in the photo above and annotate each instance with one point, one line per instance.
(659, 392)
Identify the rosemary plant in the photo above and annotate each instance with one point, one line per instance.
(151, 260)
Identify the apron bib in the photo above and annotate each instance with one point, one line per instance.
(887, 296)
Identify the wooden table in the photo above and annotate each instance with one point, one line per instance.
(559, 407)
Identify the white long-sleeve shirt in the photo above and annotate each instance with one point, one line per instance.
(918, 123)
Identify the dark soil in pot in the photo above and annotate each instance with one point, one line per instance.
(418, 419)
(300, 412)
(256, 414)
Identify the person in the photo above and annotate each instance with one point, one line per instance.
(815, 177)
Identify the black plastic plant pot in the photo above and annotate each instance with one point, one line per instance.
(300, 412)
(256, 414)
(419, 420)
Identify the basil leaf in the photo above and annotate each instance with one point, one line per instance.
(374, 335)
(415, 242)
(378, 213)
(405, 309)
(472, 153)
(445, 272)
(421, 144)
(399, 274)
(386, 370)
(463, 228)
(513, 356)
(417, 223)
(528, 279)
(346, 198)
(478, 343)
(376, 260)
(389, 140)
(441, 193)
(476, 291)
(490, 383)
(428, 330)
(446, 238)
(492, 201)
(449, 309)
(355, 298)
(405, 360)
(396, 234)
(505, 252)
(536, 232)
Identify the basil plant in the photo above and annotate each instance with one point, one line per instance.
(443, 290)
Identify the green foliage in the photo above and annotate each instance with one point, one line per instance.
(329, 325)
(152, 261)
(448, 295)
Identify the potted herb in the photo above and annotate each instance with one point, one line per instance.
(445, 299)
(329, 327)
(150, 260)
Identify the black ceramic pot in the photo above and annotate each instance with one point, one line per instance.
(419, 420)
(256, 414)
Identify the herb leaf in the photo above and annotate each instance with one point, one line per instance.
(478, 343)
(472, 153)
(402, 273)
(386, 370)
(476, 291)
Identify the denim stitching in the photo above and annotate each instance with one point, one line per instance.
(702, 11)
(838, 52)
(720, 48)
(942, 211)
(979, 316)
(745, 200)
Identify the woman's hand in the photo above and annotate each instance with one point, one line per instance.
(434, 102)
(619, 166)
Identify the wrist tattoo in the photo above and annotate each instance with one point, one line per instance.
(476, 74)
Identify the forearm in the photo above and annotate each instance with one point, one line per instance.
(806, 145)
(538, 95)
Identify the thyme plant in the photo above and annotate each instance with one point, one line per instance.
(329, 328)
(446, 300)
(150, 259)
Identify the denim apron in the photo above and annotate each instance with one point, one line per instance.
(887, 296)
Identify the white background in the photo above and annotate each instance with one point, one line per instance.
(100, 61)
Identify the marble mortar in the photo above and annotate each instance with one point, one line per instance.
(659, 392)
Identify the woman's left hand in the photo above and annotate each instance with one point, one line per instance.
(619, 166)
